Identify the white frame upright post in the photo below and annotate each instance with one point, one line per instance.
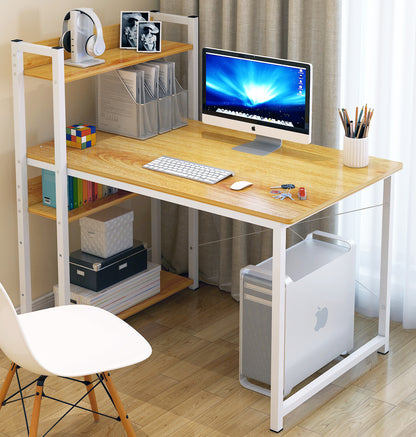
(58, 86)
(61, 175)
(19, 106)
(191, 23)
(278, 327)
(385, 267)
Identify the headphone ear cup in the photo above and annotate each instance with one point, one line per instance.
(95, 46)
(66, 41)
(90, 46)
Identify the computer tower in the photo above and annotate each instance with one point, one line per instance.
(319, 325)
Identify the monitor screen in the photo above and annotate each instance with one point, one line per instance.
(266, 96)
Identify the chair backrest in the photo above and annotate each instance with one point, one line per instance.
(12, 340)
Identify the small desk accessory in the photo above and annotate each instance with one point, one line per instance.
(78, 38)
(284, 195)
(356, 138)
(81, 136)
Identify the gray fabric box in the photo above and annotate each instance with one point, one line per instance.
(107, 232)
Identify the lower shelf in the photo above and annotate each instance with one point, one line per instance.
(36, 206)
(169, 285)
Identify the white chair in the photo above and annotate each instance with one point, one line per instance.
(69, 341)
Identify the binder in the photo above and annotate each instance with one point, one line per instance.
(84, 192)
(75, 191)
(80, 195)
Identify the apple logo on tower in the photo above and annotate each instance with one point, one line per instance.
(321, 318)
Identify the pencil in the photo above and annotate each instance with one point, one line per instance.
(342, 121)
(359, 120)
(359, 130)
(348, 123)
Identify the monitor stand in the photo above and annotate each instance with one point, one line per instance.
(260, 146)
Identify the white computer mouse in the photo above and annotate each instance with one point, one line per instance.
(239, 185)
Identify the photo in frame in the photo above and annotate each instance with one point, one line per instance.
(149, 36)
(129, 27)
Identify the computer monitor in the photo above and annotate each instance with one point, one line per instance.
(266, 96)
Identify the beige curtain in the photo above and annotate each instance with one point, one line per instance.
(304, 30)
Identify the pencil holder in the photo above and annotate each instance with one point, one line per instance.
(356, 152)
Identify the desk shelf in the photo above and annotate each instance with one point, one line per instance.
(35, 60)
(115, 58)
(38, 208)
(170, 284)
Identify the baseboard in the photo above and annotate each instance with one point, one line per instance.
(42, 302)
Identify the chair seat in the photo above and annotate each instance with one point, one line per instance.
(78, 340)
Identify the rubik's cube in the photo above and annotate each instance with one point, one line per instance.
(81, 136)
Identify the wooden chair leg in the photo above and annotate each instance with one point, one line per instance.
(118, 404)
(92, 398)
(34, 423)
(7, 382)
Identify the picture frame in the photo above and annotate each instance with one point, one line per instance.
(129, 28)
(149, 36)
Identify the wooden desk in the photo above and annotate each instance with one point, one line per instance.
(118, 161)
(317, 168)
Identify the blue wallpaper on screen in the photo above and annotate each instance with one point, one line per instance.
(255, 88)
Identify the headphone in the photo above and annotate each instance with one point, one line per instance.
(95, 45)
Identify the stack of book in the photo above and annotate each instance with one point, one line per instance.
(122, 295)
(80, 192)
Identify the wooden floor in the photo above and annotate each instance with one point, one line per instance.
(189, 386)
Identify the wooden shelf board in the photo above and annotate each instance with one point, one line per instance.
(169, 285)
(115, 58)
(37, 207)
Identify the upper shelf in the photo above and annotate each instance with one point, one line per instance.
(115, 58)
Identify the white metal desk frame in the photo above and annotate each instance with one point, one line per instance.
(278, 407)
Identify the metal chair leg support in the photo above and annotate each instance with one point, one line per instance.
(92, 398)
(118, 404)
(34, 423)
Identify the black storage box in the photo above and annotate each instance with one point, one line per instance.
(96, 273)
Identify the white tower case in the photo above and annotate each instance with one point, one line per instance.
(320, 284)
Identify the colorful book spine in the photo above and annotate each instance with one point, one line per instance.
(80, 195)
(106, 190)
(70, 193)
(89, 191)
(75, 191)
(84, 192)
(79, 192)
(94, 191)
(99, 191)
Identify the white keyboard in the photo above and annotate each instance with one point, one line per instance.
(188, 170)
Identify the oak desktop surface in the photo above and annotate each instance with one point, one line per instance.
(318, 169)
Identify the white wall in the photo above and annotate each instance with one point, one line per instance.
(36, 21)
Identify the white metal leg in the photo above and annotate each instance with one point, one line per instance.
(193, 80)
(21, 177)
(193, 111)
(191, 23)
(278, 327)
(385, 267)
(193, 247)
(156, 221)
(61, 178)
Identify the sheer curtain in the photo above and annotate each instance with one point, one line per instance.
(379, 68)
(296, 29)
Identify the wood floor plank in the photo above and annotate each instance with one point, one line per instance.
(350, 413)
(189, 386)
(399, 422)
